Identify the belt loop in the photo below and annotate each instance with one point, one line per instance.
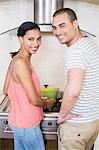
(59, 132)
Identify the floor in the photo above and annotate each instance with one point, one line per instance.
(8, 145)
(51, 145)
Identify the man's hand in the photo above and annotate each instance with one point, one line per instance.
(62, 118)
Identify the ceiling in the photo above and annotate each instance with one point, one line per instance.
(91, 1)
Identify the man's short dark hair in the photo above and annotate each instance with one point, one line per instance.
(70, 12)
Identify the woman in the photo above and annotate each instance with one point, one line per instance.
(23, 88)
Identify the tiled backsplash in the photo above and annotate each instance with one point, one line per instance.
(48, 62)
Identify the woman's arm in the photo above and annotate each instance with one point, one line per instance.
(24, 75)
(6, 83)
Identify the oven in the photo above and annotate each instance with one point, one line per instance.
(5, 130)
(48, 125)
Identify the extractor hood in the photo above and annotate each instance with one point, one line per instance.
(43, 12)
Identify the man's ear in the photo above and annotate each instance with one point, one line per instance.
(75, 23)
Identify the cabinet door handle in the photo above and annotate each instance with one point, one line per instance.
(8, 130)
(52, 133)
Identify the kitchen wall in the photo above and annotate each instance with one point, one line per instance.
(48, 61)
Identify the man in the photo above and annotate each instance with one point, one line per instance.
(78, 117)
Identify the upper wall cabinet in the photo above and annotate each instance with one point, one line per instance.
(14, 12)
(91, 1)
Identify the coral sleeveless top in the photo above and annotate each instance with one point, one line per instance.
(22, 113)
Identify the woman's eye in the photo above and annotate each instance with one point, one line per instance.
(30, 39)
(39, 39)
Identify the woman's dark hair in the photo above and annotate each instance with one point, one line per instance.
(70, 12)
(24, 27)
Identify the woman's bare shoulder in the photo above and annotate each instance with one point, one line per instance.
(19, 63)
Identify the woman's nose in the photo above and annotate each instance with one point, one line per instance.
(36, 43)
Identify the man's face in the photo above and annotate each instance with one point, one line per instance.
(63, 29)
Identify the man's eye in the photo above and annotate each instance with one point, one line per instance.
(61, 26)
(54, 28)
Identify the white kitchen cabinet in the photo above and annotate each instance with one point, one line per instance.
(96, 145)
(91, 1)
(14, 12)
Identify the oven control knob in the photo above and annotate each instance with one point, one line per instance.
(50, 123)
(5, 122)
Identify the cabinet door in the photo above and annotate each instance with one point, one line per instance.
(96, 144)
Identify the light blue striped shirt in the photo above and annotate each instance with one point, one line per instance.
(84, 54)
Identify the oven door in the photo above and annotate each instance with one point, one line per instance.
(49, 127)
(5, 130)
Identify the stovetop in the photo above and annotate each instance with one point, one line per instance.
(4, 108)
(55, 108)
(2, 96)
(4, 105)
(48, 124)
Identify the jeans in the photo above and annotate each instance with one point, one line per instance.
(28, 138)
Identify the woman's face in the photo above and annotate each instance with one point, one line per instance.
(31, 41)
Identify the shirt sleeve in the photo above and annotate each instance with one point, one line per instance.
(76, 59)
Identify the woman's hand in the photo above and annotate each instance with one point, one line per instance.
(49, 102)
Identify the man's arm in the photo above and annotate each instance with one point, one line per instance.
(71, 93)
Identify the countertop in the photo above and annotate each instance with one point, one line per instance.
(46, 114)
(2, 96)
